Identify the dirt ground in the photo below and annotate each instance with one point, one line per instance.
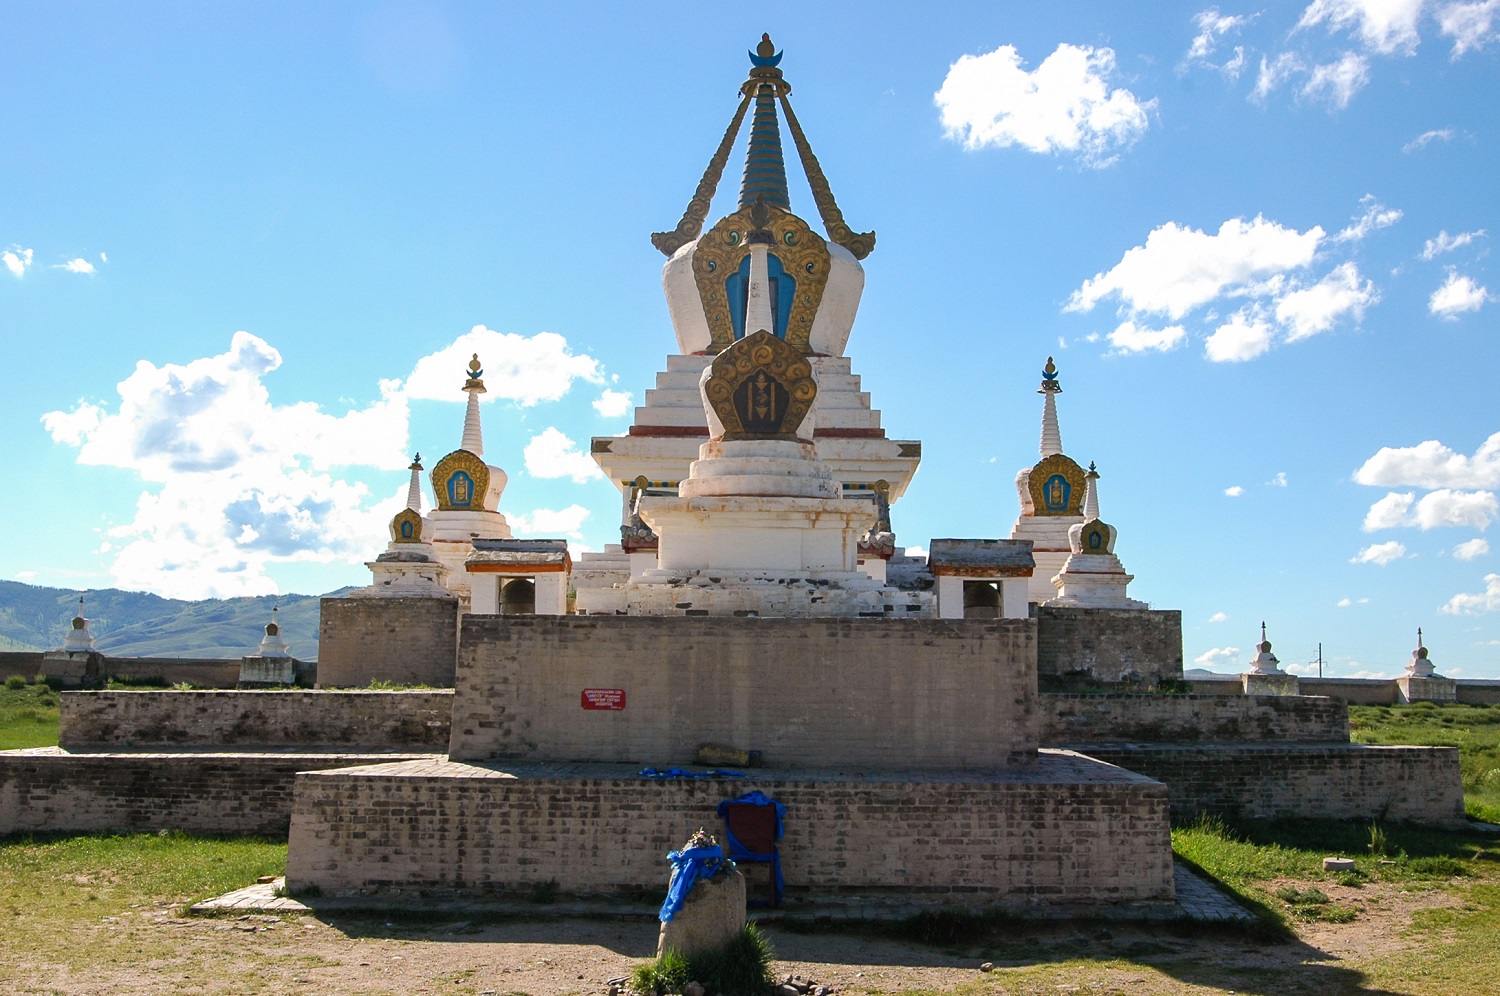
(162, 952)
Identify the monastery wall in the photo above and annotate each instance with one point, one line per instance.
(50, 789)
(1109, 645)
(408, 641)
(414, 720)
(1146, 718)
(1065, 830)
(1340, 782)
(884, 694)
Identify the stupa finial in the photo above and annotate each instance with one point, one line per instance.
(1051, 443)
(473, 438)
(414, 488)
(1091, 493)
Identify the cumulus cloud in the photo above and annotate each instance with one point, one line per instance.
(1374, 216)
(17, 260)
(1427, 137)
(1430, 464)
(1218, 617)
(1458, 295)
(79, 265)
(1470, 25)
(1391, 511)
(1310, 310)
(525, 369)
(612, 403)
(1444, 242)
(1436, 509)
(1213, 26)
(1388, 27)
(1241, 338)
(1471, 549)
(1476, 603)
(1337, 82)
(550, 453)
(1279, 481)
(1217, 655)
(237, 481)
(1379, 553)
(1234, 491)
(1129, 337)
(550, 523)
(1066, 105)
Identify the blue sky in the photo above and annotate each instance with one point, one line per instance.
(242, 246)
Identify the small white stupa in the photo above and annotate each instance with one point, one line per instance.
(409, 567)
(1421, 683)
(273, 644)
(1420, 666)
(79, 640)
(1052, 493)
(1265, 676)
(1264, 662)
(1093, 577)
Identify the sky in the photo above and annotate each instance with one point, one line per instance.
(246, 251)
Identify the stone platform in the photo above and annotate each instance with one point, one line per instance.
(1064, 829)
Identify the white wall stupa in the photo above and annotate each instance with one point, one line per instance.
(1093, 577)
(1051, 492)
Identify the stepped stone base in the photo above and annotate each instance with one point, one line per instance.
(1062, 829)
(1432, 688)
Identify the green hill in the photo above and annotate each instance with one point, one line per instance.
(139, 624)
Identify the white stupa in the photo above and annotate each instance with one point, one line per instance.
(1093, 577)
(409, 567)
(1264, 662)
(79, 640)
(1052, 494)
(1420, 666)
(273, 644)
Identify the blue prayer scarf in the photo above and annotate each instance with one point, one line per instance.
(689, 865)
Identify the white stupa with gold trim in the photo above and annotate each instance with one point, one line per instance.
(1093, 577)
(468, 494)
(1052, 495)
(409, 567)
(79, 640)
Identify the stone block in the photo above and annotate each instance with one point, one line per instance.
(1431, 689)
(267, 672)
(408, 641)
(1269, 684)
(711, 917)
(1109, 646)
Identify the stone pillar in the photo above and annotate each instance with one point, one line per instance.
(712, 916)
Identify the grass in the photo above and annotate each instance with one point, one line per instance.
(741, 968)
(28, 716)
(1473, 729)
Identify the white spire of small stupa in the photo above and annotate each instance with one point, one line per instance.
(1090, 492)
(273, 644)
(473, 440)
(79, 640)
(1051, 434)
(414, 490)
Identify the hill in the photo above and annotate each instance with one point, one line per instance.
(139, 624)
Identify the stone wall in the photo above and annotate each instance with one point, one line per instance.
(409, 641)
(1145, 718)
(1348, 782)
(1065, 829)
(1355, 691)
(48, 789)
(20, 662)
(1109, 645)
(894, 694)
(412, 720)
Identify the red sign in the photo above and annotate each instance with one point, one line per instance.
(603, 698)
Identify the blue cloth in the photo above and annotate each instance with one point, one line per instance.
(738, 851)
(688, 866)
(659, 774)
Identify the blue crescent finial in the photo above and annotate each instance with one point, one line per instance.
(765, 53)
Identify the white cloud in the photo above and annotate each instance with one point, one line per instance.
(1315, 309)
(1239, 339)
(1444, 242)
(1471, 549)
(103, 258)
(16, 260)
(1344, 603)
(1218, 655)
(1374, 217)
(552, 454)
(1470, 25)
(1385, 26)
(546, 522)
(1367, 673)
(1427, 137)
(1064, 105)
(25, 575)
(1458, 295)
(1131, 338)
(1337, 82)
(237, 482)
(1273, 73)
(1279, 481)
(1379, 553)
(1430, 464)
(524, 369)
(1179, 268)
(1435, 510)
(1213, 26)
(79, 265)
(1303, 669)
(1218, 617)
(1474, 604)
(1234, 491)
(612, 403)
(916, 551)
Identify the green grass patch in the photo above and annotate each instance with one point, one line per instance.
(1473, 729)
(743, 966)
(28, 716)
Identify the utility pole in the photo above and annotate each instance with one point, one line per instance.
(1320, 660)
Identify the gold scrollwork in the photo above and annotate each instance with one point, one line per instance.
(1041, 482)
(760, 353)
(697, 208)
(477, 486)
(861, 244)
(803, 254)
(406, 527)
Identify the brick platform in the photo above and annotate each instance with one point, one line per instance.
(1064, 829)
